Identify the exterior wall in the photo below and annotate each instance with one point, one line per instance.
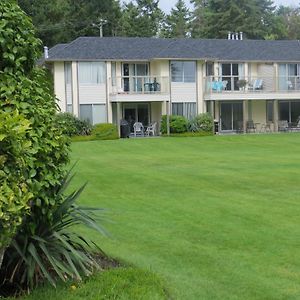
(183, 92)
(59, 85)
(92, 94)
(156, 113)
(180, 92)
(259, 112)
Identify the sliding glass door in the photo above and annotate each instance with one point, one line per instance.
(134, 76)
(136, 112)
(231, 116)
(231, 73)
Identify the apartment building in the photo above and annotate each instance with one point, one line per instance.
(140, 79)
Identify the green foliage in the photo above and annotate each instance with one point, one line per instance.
(178, 124)
(18, 46)
(72, 125)
(201, 123)
(33, 150)
(177, 23)
(62, 21)
(15, 151)
(215, 18)
(55, 249)
(142, 19)
(105, 131)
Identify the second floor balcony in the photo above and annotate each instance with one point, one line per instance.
(251, 87)
(139, 85)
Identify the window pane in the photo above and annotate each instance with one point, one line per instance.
(270, 111)
(284, 111)
(69, 108)
(189, 69)
(177, 71)
(226, 69)
(113, 73)
(177, 109)
(99, 113)
(141, 69)
(68, 73)
(209, 69)
(91, 72)
(86, 113)
(295, 111)
(187, 110)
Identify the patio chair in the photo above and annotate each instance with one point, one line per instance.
(296, 128)
(224, 84)
(250, 126)
(151, 129)
(266, 127)
(289, 85)
(138, 129)
(283, 125)
(256, 84)
(240, 127)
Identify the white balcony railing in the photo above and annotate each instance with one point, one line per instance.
(242, 84)
(139, 85)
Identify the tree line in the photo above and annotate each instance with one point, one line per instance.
(60, 21)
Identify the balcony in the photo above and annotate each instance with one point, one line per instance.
(139, 88)
(238, 87)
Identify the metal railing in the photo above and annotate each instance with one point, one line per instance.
(139, 85)
(244, 84)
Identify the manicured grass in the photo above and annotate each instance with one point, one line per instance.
(118, 283)
(215, 217)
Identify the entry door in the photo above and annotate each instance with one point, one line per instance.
(231, 116)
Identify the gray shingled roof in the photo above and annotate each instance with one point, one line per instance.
(116, 48)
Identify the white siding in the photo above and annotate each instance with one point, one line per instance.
(267, 72)
(183, 92)
(92, 94)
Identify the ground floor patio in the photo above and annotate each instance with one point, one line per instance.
(248, 116)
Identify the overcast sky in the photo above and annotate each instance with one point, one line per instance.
(166, 5)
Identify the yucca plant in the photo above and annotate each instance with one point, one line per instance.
(55, 250)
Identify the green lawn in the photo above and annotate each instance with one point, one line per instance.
(214, 217)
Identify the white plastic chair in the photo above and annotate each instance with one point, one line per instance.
(138, 129)
(151, 129)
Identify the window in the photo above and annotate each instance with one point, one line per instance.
(289, 111)
(113, 73)
(91, 72)
(232, 73)
(270, 111)
(209, 69)
(68, 72)
(93, 113)
(183, 71)
(68, 86)
(288, 76)
(188, 109)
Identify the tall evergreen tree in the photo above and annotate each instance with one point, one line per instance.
(143, 19)
(215, 18)
(290, 18)
(60, 21)
(178, 23)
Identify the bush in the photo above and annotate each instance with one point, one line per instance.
(105, 131)
(203, 122)
(178, 124)
(72, 126)
(33, 150)
(54, 250)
